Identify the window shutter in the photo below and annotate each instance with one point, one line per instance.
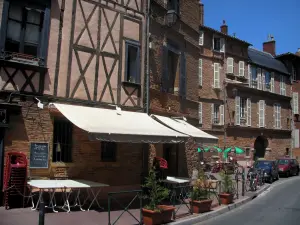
(241, 68)
(229, 65)
(259, 84)
(263, 81)
(272, 83)
(200, 112)
(4, 25)
(182, 83)
(237, 110)
(274, 116)
(295, 103)
(201, 38)
(296, 138)
(261, 108)
(43, 53)
(216, 75)
(164, 76)
(212, 113)
(283, 85)
(222, 119)
(222, 43)
(249, 75)
(200, 72)
(279, 116)
(248, 112)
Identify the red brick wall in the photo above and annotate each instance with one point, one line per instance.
(36, 125)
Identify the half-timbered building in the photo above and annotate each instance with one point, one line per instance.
(72, 81)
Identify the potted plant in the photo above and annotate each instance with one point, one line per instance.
(200, 196)
(226, 196)
(154, 213)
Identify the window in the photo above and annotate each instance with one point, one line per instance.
(277, 116)
(261, 113)
(62, 141)
(296, 138)
(272, 88)
(230, 65)
(201, 38)
(200, 112)
(241, 69)
(248, 112)
(174, 5)
(217, 114)
(173, 71)
(132, 68)
(218, 44)
(295, 103)
(242, 111)
(216, 75)
(259, 79)
(200, 70)
(267, 79)
(282, 85)
(294, 74)
(108, 151)
(253, 79)
(26, 27)
(247, 152)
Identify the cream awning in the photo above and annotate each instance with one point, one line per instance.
(119, 125)
(181, 126)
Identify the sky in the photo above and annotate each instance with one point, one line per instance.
(254, 20)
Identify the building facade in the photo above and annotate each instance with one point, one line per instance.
(292, 63)
(75, 53)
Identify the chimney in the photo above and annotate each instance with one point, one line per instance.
(298, 52)
(270, 45)
(224, 28)
(201, 13)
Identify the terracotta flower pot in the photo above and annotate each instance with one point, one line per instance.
(226, 198)
(201, 206)
(158, 217)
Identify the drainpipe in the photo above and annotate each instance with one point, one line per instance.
(147, 56)
(225, 110)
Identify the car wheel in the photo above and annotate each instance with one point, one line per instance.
(271, 179)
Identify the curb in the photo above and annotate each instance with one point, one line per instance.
(203, 217)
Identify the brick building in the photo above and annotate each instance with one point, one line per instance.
(292, 63)
(65, 66)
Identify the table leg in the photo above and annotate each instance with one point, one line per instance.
(66, 202)
(39, 199)
(95, 198)
(52, 200)
(77, 201)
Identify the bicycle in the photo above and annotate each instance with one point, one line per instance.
(251, 183)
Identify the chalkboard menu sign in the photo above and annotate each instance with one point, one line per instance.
(39, 154)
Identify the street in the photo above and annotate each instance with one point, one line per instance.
(280, 205)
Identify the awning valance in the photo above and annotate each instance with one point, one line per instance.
(119, 125)
(182, 126)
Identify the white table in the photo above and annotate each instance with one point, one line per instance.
(52, 186)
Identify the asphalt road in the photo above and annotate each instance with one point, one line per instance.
(278, 205)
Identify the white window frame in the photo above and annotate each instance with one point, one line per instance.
(249, 112)
(263, 80)
(296, 138)
(282, 85)
(241, 68)
(277, 116)
(216, 75)
(230, 65)
(201, 37)
(222, 44)
(261, 113)
(200, 113)
(249, 75)
(295, 103)
(200, 71)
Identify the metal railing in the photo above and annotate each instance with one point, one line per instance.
(137, 196)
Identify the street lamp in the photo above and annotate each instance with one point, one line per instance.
(171, 18)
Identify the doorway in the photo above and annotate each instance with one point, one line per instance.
(170, 154)
(260, 145)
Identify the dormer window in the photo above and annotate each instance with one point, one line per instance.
(218, 44)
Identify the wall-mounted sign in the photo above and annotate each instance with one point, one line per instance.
(39, 154)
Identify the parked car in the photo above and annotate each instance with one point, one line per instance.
(270, 169)
(288, 167)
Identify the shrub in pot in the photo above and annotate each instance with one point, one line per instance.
(154, 213)
(226, 196)
(200, 196)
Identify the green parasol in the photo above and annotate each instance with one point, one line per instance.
(218, 149)
(237, 150)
